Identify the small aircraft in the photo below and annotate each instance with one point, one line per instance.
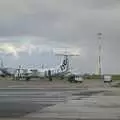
(6, 71)
(62, 69)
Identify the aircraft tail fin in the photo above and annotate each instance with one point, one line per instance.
(65, 64)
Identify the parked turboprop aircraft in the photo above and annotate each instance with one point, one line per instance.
(42, 73)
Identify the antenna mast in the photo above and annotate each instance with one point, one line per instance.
(99, 53)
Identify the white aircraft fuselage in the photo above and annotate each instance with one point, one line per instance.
(60, 70)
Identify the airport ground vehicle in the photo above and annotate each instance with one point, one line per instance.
(107, 78)
(75, 78)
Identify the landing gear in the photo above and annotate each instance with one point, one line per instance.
(49, 75)
(71, 78)
(27, 78)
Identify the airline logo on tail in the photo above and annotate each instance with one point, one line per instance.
(64, 66)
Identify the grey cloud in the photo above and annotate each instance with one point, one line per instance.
(100, 4)
(70, 22)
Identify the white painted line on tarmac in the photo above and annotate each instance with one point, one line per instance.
(9, 88)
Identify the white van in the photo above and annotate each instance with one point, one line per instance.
(107, 78)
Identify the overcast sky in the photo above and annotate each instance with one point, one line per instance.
(32, 30)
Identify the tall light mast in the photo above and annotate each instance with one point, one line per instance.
(99, 35)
